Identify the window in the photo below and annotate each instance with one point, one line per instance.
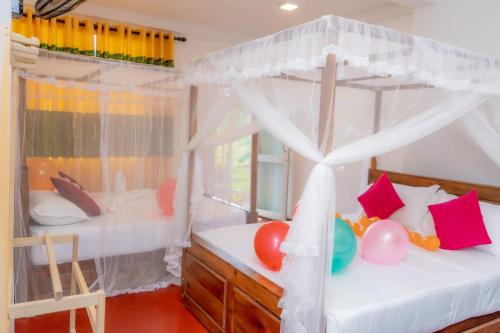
(272, 174)
(232, 163)
(232, 175)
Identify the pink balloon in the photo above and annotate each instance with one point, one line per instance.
(385, 242)
(165, 197)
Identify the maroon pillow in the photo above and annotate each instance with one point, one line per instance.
(71, 180)
(71, 192)
(381, 199)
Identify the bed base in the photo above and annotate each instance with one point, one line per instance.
(93, 302)
(489, 323)
(226, 296)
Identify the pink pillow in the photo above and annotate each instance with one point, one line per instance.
(80, 198)
(459, 223)
(381, 199)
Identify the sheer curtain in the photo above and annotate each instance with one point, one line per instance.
(416, 87)
(118, 129)
(485, 130)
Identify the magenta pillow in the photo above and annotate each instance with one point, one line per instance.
(71, 180)
(381, 199)
(459, 223)
(72, 192)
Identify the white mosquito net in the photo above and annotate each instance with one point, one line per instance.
(117, 129)
(393, 91)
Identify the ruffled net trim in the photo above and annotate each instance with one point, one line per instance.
(300, 250)
(378, 50)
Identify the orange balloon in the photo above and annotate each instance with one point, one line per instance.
(431, 243)
(165, 197)
(39, 173)
(267, 243)
(415, 237)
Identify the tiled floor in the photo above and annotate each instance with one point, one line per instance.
(152, 312)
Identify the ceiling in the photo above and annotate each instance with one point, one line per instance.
(260, 17)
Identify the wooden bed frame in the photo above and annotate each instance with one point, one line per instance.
(228, 296)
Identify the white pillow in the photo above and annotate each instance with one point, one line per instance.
(49, 208)
(416, 199)
(428, 225)
(491, 218)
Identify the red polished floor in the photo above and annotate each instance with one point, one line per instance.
(151, 312)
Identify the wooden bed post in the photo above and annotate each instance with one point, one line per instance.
(376, 128)
(327, 103)
(326, 122)
(192, 127)
(253, 179)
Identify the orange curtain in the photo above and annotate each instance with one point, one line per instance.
(75, 157)
(116, 41)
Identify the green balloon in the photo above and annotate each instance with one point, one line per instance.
(344, 246)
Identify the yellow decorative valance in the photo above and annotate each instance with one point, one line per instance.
(98, 38)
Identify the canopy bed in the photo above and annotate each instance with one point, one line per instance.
(338, 92)
(221, 263)
(114, 130)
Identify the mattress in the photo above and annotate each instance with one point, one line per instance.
(426, 292)
(132, 223)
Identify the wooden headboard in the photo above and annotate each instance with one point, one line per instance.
(485, 192)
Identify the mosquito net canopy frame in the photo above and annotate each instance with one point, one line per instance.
(116, 128)
(315, 88)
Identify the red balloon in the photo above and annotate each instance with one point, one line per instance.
(165, 197)
(267, 243)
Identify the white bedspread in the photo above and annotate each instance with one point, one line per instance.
(426, 292)
(133, 223)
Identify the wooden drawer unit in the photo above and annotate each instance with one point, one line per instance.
(250, 316)
(206, 288)
(225, 295)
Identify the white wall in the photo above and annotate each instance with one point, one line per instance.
(452, 154)
(470, 24)
(400, 23)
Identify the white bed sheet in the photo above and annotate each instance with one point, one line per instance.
(426, 292)
(133, 224)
